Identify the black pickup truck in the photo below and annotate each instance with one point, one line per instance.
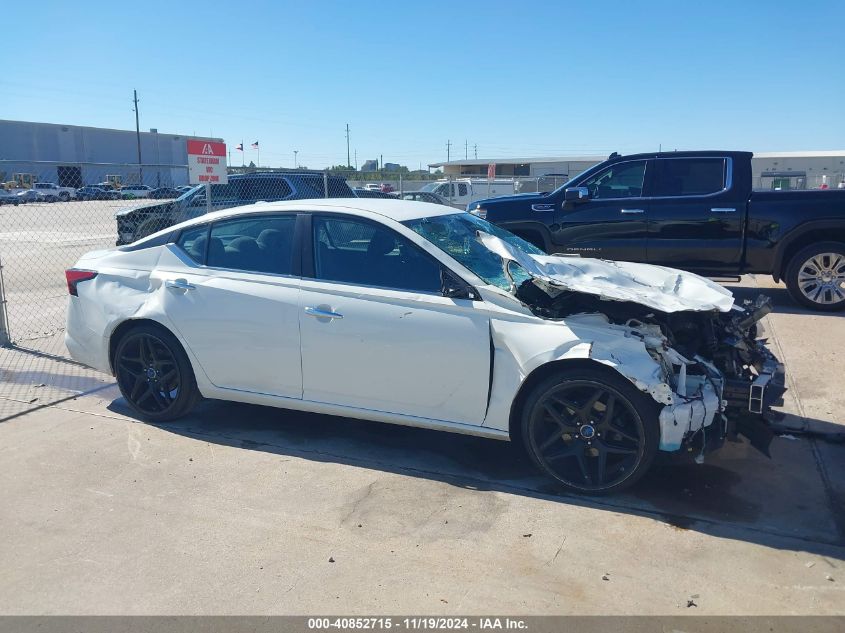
(690, 210)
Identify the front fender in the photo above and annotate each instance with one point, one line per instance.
(520, 348)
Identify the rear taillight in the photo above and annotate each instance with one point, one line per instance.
(74, 276)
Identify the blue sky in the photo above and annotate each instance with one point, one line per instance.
(515, 78)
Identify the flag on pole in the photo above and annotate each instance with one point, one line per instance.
(255, 145)
(240, 147)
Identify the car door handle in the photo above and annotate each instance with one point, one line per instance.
(722, 210)
(179, 284)
(322, 314)
(632, 211)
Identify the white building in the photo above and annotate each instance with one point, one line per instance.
(770, 170)
(74, 155)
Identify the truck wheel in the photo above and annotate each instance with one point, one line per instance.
(815, 276)
(591, 430)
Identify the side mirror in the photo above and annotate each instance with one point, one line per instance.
(455, 288)
(576, 194)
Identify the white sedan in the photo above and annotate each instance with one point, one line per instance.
(417, 314)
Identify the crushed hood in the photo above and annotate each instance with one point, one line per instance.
(657, 287)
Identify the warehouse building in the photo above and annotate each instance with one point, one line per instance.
(73, 155)
(770, 170)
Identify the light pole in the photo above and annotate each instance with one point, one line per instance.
(295, 152)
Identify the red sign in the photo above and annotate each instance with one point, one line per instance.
(207, 163)
(206, 148)
(491, 171)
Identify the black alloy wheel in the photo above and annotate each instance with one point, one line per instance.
(154, 374)
(591, 431)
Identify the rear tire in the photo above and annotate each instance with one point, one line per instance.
(815, 277)
(154, 374)
(591, 430)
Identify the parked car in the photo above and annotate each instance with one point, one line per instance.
(31, 195)
(426, 316)
(372, 193)
(53, 193)
(8, 198)
(96, 193)
(426, 196)
(372, 186)
(128, 192)
(165, 192)
(690, 210)
(134, 223)
(463, 191)
(185, 188)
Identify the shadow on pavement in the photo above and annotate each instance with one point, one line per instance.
(737, 493)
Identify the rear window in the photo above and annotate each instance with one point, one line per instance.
(689, 176)
(267, 189)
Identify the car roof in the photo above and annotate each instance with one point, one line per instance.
(395, 209)
(685, 154)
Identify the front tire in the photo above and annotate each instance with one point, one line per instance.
(815, 276)
(154, 374)
(591, 430)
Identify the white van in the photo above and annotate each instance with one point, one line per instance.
(462, 191)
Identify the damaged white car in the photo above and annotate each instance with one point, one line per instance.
(415, 314)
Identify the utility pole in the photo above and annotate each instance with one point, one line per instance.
(475, 149)
(448, 151)
(138, 137)
(295, 164)
(348, 161)
(381, 162)
(466, 149)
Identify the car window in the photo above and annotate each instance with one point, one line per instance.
(689, 176)
(624, 180)
(268, 189)
(193, 242)
(365, 253)
(457, 236)
(253, 244)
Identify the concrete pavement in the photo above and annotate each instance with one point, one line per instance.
(248, 510)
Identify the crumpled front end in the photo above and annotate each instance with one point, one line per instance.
(716, 377)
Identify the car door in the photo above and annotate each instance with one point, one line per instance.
(696, 216)
(231, 290)
(611, 223)
(378, 334)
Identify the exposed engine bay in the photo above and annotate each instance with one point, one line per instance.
(721, 371)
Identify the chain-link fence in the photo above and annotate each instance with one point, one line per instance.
(52, 214)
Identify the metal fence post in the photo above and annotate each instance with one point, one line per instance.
(5, 337)
(401, 189)
(325, 184)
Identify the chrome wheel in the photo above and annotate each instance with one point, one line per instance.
(587, 435)
(148, 374)
(821, 278)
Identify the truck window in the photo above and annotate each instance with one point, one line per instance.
(624, 180)
(462, 189)
(689, 176)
